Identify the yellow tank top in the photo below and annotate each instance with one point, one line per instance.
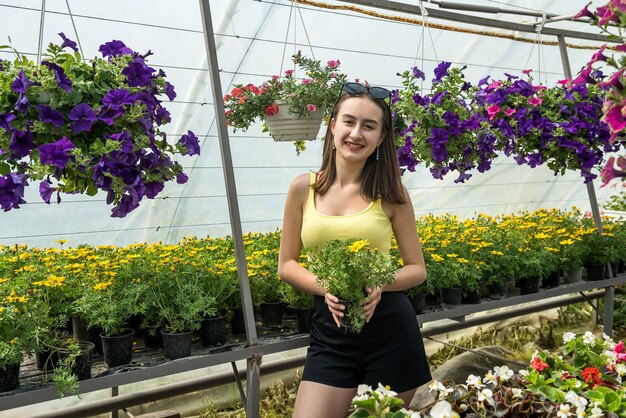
(372, 224)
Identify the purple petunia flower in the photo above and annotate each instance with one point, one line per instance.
(49, 115)
(56, 152)
(12, 191)
(169, 91)
(22, 104)
(114, 48)
(118, 97)
(125, 139)
(441, 71)
(191, 144)
(153, 188)
(59, 76)
(181, 178)
(138, 74)
(21, 144)
(83, 117)
(1, 65)
(22, 83)
(67, 42)
(162, 116)
(405, 155)
(5, 121)
(417, 73)
(46, 191)
(108, 114)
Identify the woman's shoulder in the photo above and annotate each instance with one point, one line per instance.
(300, 185)
(391, 208)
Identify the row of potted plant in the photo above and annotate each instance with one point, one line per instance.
(175, 287)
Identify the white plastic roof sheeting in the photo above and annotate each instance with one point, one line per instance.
(250, 37)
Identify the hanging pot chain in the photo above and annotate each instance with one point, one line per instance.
(80, 47)
(41, 25)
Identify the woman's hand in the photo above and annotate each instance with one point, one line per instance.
(374, 295)
(335, 308)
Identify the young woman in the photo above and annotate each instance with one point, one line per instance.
(356, 194)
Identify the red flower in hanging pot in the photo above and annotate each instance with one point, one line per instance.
(271, 109)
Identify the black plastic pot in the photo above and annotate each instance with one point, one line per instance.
(528, 285)
(272, 313)
(9, 377)
(595, 271)
(471, 297)
(82, 364)
(176, 345)
(118, 349)
(213, 331)
(498, 290)
(419, 303)
(451, 296)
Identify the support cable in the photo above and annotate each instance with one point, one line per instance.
(42, 20)
(80, 47)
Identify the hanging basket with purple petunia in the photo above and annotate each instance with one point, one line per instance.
(80, 126)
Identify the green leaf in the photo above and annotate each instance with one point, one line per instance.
(612, 401)
(4, 169)
(360, 413)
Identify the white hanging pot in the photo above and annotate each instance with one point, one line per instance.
(284, 126)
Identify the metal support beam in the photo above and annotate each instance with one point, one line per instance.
(252, 410)
(435, 13)
(593, 202)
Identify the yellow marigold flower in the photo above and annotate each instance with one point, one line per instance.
(102, 285)
(3, 279)
(462, 260)
(567, 242)
(358, 245)
(14, 341)
(452, 255)
(437, 257)
(553, 250)
(541, 235)
(61, 241)
(494, 252)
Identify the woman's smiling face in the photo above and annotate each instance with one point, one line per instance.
(357, 128)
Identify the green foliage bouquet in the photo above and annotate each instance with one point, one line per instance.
(346, 268)
(81, 126)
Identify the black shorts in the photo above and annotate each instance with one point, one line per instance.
(389, 350)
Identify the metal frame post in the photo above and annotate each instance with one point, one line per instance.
(609, 292)
(253, 370)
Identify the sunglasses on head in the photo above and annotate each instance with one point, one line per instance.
(354, 89)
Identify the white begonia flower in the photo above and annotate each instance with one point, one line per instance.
(474, 381)
(620, 368)
(612, 355)
(486, 395)
(609, 341)
(410, 414)
(463, 407)
(596, 411)
(517, 393)
(578, 384)
(589, 339)
(578, 401)
(491, 378)
(563, 411)
(363, 389)
(568, 336)
(385, 391)
(443, 409)
(523, 372)
(503, 372)
(436, 385)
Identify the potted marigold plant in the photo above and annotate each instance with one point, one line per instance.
(82, 126)
(345, 269)
(281, 99)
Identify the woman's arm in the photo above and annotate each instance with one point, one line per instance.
(413, 271)
(289, 269)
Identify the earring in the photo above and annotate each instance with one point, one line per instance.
(333, 144)
(377, 152)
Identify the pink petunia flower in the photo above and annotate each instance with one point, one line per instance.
(527, 72)
(535, 101)
(333, 63)
(608, 173)
(619, 5)
(510, 111)
(288, 72)
(493, 111)
(598, 56)
(307, 81)
(311, 107)
(563, 82)
(494, 85)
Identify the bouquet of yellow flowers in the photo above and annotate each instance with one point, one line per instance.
(345, 268)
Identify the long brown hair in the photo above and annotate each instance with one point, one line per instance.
(380, 178)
